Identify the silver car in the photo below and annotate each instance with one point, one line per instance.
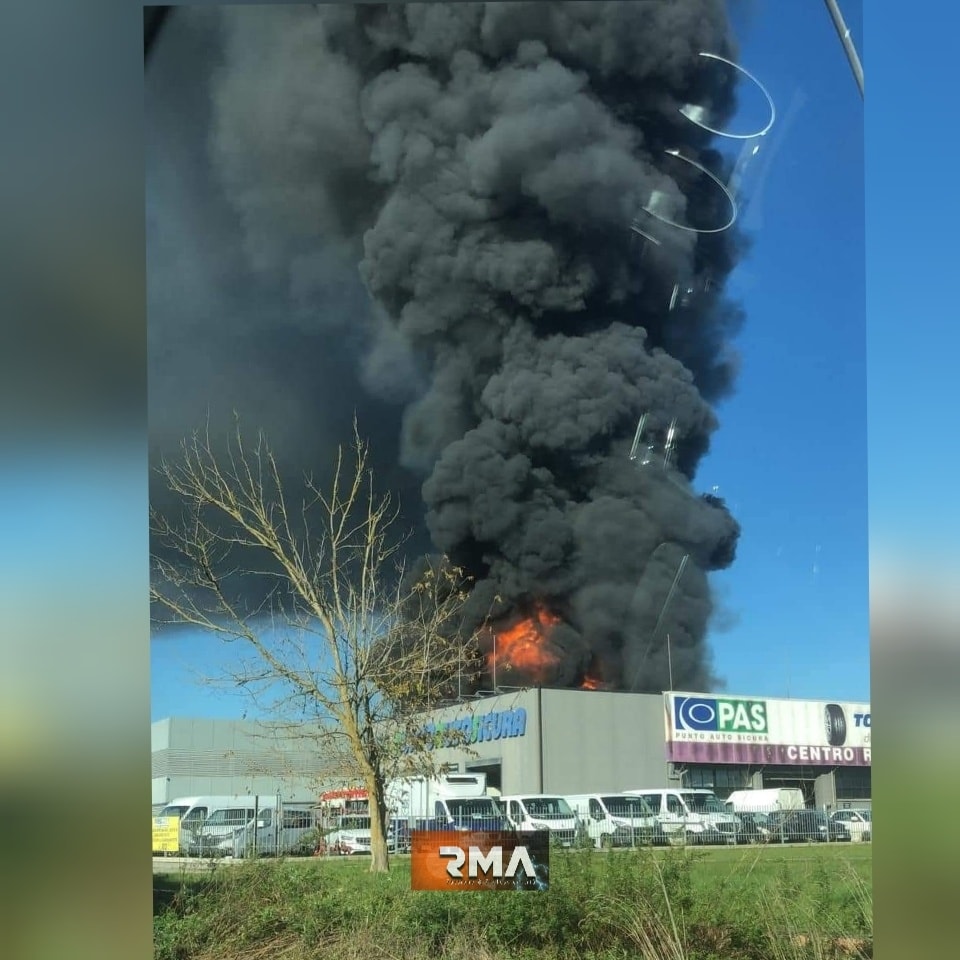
(858, 822)
(353, 836)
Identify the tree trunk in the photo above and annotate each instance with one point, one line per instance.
(379, 856)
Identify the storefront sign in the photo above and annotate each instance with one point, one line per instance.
(701, 728)
(496, 725)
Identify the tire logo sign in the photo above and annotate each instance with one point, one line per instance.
(835, 723)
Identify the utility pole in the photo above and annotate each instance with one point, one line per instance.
(663, 610)
(843, 31)
(669, 661)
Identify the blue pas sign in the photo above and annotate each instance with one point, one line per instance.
(497, 725)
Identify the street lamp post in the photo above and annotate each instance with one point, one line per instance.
(843, 31)
(663, 609)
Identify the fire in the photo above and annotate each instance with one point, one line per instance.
(524, 647)
(591, 683)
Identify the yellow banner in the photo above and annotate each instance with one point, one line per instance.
(166, 834)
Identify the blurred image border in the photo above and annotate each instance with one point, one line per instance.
(74, 710)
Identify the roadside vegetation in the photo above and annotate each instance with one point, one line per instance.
(756, 904)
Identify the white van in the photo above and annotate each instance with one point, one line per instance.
(207, 823)
(615, 819)
(283, 832)
(192, 811)
(691, 816)
(531, 811)
(766, 801)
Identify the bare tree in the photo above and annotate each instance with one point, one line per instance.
(346, 648)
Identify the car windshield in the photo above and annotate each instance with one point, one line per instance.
(867, 815)
(177, 810)
(627, 806)
(548, 808)
(704, 803)
(476, 807)
(221, 817)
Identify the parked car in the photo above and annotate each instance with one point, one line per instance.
(353, 836)
(805, 826)
(754, 827)
(858, 822)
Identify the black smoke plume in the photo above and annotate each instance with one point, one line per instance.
(477, 167)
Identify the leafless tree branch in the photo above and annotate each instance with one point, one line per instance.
(346, 650)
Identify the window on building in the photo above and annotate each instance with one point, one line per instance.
(297, 819)
(852, 783)
(722, 780)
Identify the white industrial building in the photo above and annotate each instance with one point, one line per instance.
(565, 741)
(196, 757)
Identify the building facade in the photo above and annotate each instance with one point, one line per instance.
(191, 757)
(564, 742)
(576, 741)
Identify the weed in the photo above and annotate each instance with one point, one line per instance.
(656, 904)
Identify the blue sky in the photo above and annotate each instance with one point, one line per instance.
(790, 456)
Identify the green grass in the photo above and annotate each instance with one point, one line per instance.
(756, 903)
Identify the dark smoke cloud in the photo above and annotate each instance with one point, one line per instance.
(446, 191)
(229, 330)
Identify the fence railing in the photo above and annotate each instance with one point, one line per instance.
(305, 833)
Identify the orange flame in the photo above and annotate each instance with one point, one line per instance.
(591, 683)
(524, 647)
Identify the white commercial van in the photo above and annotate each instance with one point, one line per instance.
(208, 823)
(691, 816)
(452, 801)
(766, 801)
(287, 831)
(615, 819)
(530, 812)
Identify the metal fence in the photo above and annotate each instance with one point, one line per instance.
(808, 825)
(308, 832)
(238, 834)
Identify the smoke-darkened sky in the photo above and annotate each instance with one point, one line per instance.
(421, 214)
